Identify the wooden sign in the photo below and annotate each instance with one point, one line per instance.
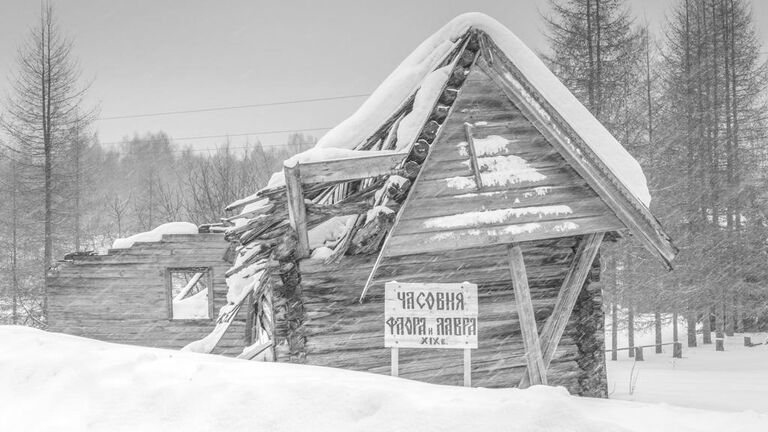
(430, 315)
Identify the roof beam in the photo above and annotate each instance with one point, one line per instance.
(355, 168)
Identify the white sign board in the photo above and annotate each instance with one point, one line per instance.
(430, 315)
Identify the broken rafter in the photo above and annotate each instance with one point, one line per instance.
(297, 212)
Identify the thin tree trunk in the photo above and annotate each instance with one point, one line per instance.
(591, 77)
(598, 63)
(719, 322)
(691, 329)
(14, 244)
(706, 327)
(657, 328)
(48, 156)
(614, 330)
(78, 187)
(728, 315)
(675, 333)
(631, 331)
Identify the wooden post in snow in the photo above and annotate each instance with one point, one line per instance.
(537, 372)
(297, 212)
(467, 367)
(395, 361)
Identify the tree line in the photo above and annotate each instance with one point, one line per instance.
(689, 104)
(62, 191)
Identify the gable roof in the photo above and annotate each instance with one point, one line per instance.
(415, 73)
(411, 104)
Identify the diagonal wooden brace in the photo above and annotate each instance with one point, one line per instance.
(537, 371)
(569, 292)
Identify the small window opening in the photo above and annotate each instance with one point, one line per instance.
(190, 292)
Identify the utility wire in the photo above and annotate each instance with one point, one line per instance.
(199, 137)
(234, 107)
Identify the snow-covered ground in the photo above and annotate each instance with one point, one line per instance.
(56, 382)
(732, 380)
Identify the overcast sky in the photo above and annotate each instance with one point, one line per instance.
(150, 56)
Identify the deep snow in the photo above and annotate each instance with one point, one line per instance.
(63, 383)
(733, 380)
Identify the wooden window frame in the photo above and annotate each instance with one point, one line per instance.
(169, 291)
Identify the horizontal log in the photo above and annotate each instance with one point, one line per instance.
(356, 168)
(468, 238)
(472, 215)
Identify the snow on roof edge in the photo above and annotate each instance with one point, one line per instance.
(625, 167)
(594, 134)
(408, 77)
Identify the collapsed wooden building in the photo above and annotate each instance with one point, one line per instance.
(164, 293)
(471, 162)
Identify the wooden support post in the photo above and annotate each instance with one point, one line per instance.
(677, 350)
(639, 353)
(395, 362)
(467, 367)
(569, 292)
(297, 212)
(537, 372)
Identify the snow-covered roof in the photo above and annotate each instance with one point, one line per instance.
(417, 71)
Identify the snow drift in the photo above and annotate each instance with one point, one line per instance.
(156, 234)
(57, 382)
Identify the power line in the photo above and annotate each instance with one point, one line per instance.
(234, 107)
(199, 137)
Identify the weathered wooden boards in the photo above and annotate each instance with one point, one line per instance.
(122, 297)
(566, 299)
(374, 164)
(632, 213)
(493, 178)
(340, 332)
(297, 212)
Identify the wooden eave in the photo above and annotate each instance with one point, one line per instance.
(627, 207)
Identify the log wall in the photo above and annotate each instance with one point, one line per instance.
(341, 332)
(121, 297)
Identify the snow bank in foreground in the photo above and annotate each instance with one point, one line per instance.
(58, 382)
(156, 234)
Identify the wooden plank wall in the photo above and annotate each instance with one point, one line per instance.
(524, 188)
(340, 332)
(121, 297)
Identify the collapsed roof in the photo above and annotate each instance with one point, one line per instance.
(385, 143)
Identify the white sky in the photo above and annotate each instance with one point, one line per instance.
(149, 56)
